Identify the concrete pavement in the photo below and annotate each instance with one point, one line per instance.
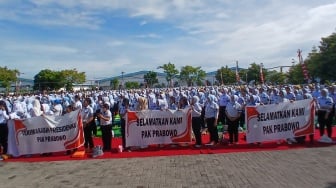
(309, 167)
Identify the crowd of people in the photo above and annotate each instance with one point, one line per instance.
(210, 106)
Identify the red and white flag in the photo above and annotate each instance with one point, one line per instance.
(303, 65)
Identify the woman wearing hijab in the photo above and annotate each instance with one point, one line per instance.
(105, 117)
(4, 117)
(36, 110)
(324, 114)
(211, 117)
(196, 120)
(233, 111)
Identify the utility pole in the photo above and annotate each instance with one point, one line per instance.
(122, 79)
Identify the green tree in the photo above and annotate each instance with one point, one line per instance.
(170, 71)
(253, 73)
(295, 75)
(243, 75)
(7, 76)
(312, 63)
(47, 80)
(192, 75)
(276, 77)
(70, 77)
(322, 63)
(114, 83)
(224, 75)
(132, 85)
(53, 80)
(151, 78)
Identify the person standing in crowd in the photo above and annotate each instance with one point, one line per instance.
(196, 120)
(211, 117)
(123, 112)
(87, 115)
(325, 114)
(281, 99)
(78, 104)
(223, 100)
(298, 94)
(57, 109)
(242, 100)
(142, 105)
(233, 112)
(172, 103)
(290, 95)
(161, 102)
(4, 117)
(105, 117)
(316, 93)
(332, 92)
(264, 97)
(36, 110)
(183, 103)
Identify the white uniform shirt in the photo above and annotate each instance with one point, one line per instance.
(233, 109)
(106, 114)
(224, 99)
(325, 103)
(87, 113)
(3, 117)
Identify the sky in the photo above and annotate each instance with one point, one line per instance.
(106, 37)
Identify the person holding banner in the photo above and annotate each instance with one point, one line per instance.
(233, 112)
(36, 110)
(211, 117)
(87, 115)
(325, 114)
(282, 98)
(4, 117)
(106, 126)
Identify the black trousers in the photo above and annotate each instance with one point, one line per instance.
(233, 130)
(325, 122)
(88, 143)
(203, 124)
(94, 129)
(242, 119)
(106, 136)
(212, 128)
(122, 129)
(196, 126)
(221, 115)
(4, 137)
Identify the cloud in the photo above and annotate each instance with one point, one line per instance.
(108, 36)
(115, 43)
(150, 35)
(143, 23)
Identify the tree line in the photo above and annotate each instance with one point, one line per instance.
(320, 64)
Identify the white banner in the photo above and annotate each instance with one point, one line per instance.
(158, 127)
(45, 134)
(280, 121)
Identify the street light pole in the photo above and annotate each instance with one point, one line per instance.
(246, 77)
(261, 73)
(122, 79)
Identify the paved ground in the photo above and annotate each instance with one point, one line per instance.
(311, 167)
